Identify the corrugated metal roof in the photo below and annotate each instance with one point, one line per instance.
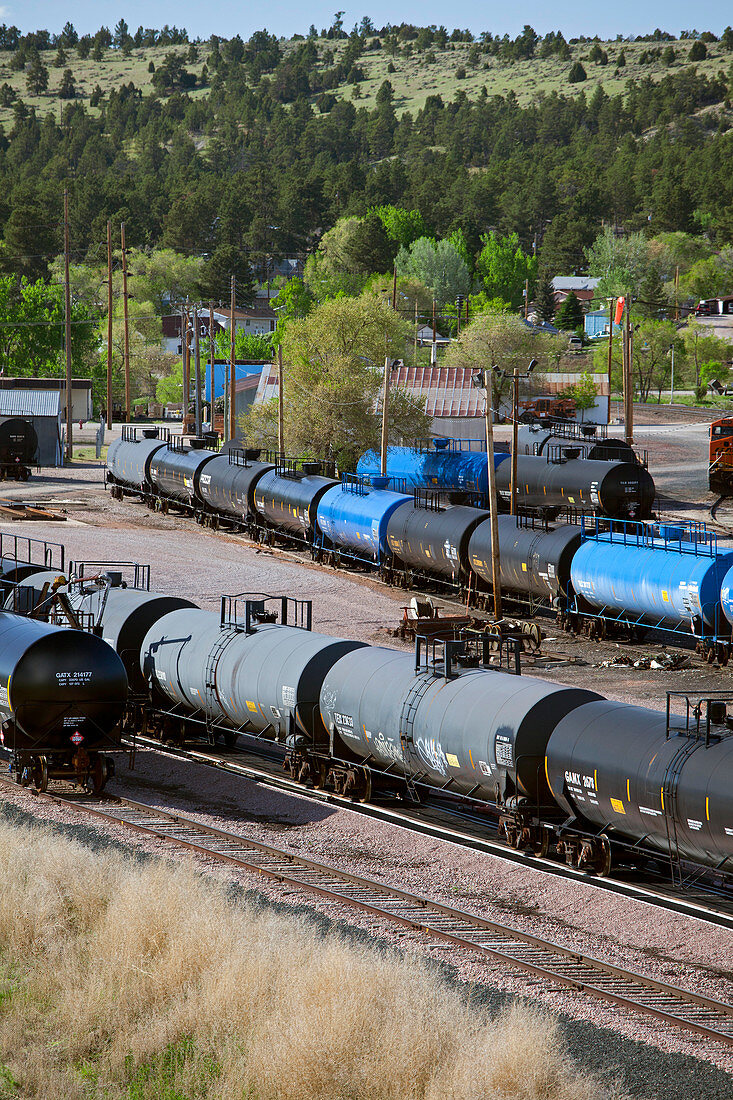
(30, 402)
(574, 282)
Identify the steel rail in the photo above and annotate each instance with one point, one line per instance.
(553, 963)
(406, 818)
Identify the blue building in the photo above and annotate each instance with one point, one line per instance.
(596, 324)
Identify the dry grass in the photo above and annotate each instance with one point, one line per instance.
(146, 982)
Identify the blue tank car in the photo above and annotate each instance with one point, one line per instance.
(726, 596)
(353, 516)
(651, 574)
(438, 468)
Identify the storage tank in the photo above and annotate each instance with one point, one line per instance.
(227, 484)
(57, 684)
(613, 765)
(475, 733)
(290, 500)
(532, 561)
(434, 541)
(264, 681)
(128, 458)
(175, 471)
(439, 467)
(354, 516)
(622, 490)
(636, 573)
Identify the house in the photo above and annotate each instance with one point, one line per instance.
(585, 288)
(172, 330)
(258, 320)
(596, 323)
(425, 337)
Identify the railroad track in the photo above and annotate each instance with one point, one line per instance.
(550, 963)
(456, 827)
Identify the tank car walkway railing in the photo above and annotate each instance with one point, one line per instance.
(551, 963)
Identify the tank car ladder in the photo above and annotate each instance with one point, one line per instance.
(407, 728)
(669, 805)
(211, 698)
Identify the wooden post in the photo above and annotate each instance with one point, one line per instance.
(127, 325)
(109, 325)
(434, 348)
(416, 331)
(385, 413)
(611, 311)
(676, 293)
(494, 517)
(280, 403)
(232, 361)
(67, 334)
(394, 287)
(526, 299)
(197, 370)
(515, 439)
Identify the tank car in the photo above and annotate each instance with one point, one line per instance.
(621, 490)
(227, 484)
(353, 517)
(129, 458)
(61, 703)
(624, 773)
(540, 438)
(286, 497)
(647, 573)
(437, 467)
(477, 732)
(533, 561)
(18, 448)
(174, 471)
(433, 542)
(240, 674)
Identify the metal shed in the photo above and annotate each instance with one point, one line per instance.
(43, 409)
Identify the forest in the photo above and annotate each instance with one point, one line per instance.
(240, 153)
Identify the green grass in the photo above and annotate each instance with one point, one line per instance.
(413, 81)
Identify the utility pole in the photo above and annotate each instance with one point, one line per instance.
(67, 333)
(628, 376)
(109, 325)
(197, 370)
(415, 331)
(232, 361)
(515, 438)
(394, 287)
(385, 412)
(526, 299)
(212, 357)
(434, 349)
(494, 518)
(671, 395)
(280, 403)
(611, 307)
(127, 324)
(186, 368)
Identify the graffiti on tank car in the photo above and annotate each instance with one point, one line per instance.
(431, 753)
(385, 747)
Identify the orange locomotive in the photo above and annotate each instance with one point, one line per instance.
(720, 457)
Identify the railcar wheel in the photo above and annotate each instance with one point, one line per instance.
(99, 774)
(40, 773)
(604, 858)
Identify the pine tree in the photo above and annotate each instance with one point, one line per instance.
(653, 301)
(545, 297)
(569, 316)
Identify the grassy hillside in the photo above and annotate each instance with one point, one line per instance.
(416, 75)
